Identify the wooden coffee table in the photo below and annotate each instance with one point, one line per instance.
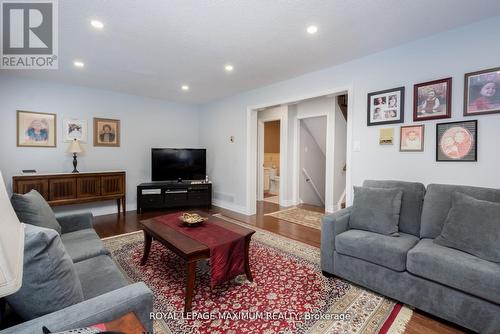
(189, 249)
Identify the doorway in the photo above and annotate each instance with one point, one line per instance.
(271, 164)
(290, 117)
(312, 160)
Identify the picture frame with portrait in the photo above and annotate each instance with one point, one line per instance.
(106, 132)
(411, 138)
(432, 100)
(482, 92)
(36, 129)
(386, 107)
(75, 129)
(456, 141)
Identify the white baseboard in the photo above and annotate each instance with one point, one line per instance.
(100, 210)
(331, 208)
(231, 207)
(287, 202)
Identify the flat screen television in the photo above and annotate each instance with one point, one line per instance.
(174, 164)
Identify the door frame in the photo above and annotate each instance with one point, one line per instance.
(252, 134)
(282, 116)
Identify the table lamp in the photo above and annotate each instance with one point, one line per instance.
(11, 246)
(75, 148)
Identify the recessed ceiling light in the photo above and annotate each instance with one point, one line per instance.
(229, 68)
(97, 24)
(312, 30)
(185, 87)
(79, 64)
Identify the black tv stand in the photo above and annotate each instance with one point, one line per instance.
(172, 195)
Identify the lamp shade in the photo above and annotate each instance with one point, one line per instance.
(11, 245)
(75, 147)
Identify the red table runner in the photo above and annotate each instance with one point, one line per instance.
(227, 248)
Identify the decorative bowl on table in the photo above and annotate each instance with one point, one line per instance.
(192, 219)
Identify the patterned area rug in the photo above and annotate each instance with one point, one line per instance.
(299, 216)
(289, 294)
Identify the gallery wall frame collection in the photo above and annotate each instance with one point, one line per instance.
(455, 141)
(39, 129)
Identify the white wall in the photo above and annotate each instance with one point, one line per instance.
(452, 53)
(145, 123)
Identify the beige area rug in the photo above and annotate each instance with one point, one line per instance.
(289, 294)
(299, 216)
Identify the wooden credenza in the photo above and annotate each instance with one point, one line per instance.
(75, 188)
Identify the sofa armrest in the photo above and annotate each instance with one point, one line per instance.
(331, 226)
(135, 298)
(75, 222)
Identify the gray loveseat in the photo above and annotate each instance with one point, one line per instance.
(107, 294)
(411, 268)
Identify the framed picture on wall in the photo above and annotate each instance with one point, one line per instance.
(482, 92)
(386, 136)
(106, 132)
(411, 138)
(386, 106)
(432, 100)
(456, 141)
(75, 129)
(36, 129)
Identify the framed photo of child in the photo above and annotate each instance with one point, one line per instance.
(432, 100)
(482, 92)
(386, 107)
(411, 138)
(456, 141)
(106, 132)
(36, 129)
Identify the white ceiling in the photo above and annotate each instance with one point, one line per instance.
(152, 47)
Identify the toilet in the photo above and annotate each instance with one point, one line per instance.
(274, 187)
(270, 175)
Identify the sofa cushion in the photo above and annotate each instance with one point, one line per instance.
(33, 209)
(83, 244)
(99, 275)
(455, 269)
(437, 204)
(411, 204)
(472, 226)
(376, 210)
(380, 249)
(50, 282)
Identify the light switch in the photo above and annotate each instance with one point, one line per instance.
(356, 146)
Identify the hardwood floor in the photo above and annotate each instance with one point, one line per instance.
(114, 224)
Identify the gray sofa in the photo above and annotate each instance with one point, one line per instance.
(411, 268)
(107, 294)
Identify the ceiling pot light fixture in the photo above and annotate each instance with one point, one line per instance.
(229, 68)
(79, 64)
(312, 30)
(185, 87)
(97, 24)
